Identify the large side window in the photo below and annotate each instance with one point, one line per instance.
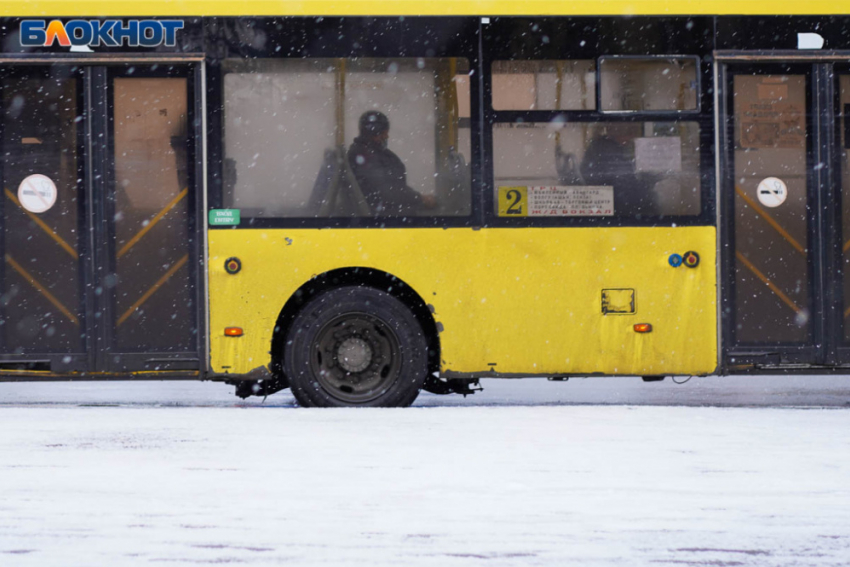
(620, 142)
(330, 138)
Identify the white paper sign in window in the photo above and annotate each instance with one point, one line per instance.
(658, 155)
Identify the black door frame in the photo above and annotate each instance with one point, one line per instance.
(98, 360)
(832, 207)
(824, 350)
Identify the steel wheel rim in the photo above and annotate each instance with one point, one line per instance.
(355, 357)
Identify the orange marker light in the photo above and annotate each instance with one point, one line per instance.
(643, 328)
(233, 331)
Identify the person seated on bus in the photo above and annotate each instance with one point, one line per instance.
(380, 172)
(609, 161)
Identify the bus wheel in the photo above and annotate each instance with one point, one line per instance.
(355, 346)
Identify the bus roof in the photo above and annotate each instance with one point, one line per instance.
(112, 8)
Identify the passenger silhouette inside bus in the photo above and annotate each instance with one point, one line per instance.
(609, 160)
(380, 173)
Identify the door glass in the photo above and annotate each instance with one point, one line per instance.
(154, 295)
(771, 238)
(40, 279)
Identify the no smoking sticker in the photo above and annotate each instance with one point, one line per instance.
(772, 192)
(37, 193)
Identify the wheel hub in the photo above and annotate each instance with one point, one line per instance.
(356, 357)
(354, 354)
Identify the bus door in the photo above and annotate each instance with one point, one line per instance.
(99, 239)
(150, 264)
(785, 215)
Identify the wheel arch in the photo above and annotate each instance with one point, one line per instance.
(366, 277)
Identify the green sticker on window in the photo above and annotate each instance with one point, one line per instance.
(224, 217)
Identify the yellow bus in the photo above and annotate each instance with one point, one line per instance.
(360, 201)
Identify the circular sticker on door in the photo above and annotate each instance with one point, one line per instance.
(37, 193)
(772, 192)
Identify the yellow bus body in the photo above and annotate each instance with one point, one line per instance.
(515, 301)
(59, 8)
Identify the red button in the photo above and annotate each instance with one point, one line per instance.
(232, 265)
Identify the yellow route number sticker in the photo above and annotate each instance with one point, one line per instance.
(513, 201)
(557, 201)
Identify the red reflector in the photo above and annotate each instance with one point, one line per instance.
(643, 328)
(233, 331)
(232, 265)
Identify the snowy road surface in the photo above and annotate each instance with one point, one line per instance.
(526, 473)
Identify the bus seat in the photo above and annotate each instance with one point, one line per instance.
(567, 167)
(358, 205)
(454, 186)
(326, 188)
(336, 192)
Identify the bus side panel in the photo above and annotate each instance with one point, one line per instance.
(510, 301)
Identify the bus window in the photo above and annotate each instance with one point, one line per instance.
(294, 134)
(651, 168)
(648, 85)
(544, 85)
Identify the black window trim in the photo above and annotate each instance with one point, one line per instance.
(526, 38)
(705, 124)
(418, 28)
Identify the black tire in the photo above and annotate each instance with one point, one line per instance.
(355, 347)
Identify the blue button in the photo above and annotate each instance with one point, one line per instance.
(675, 260)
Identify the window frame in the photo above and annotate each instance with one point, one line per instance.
(601, 58)
(503, 40)
(284, 38)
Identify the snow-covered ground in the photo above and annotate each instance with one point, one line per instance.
(726, 391)
(525, 473)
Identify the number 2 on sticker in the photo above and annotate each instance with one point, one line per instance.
(514, 202)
